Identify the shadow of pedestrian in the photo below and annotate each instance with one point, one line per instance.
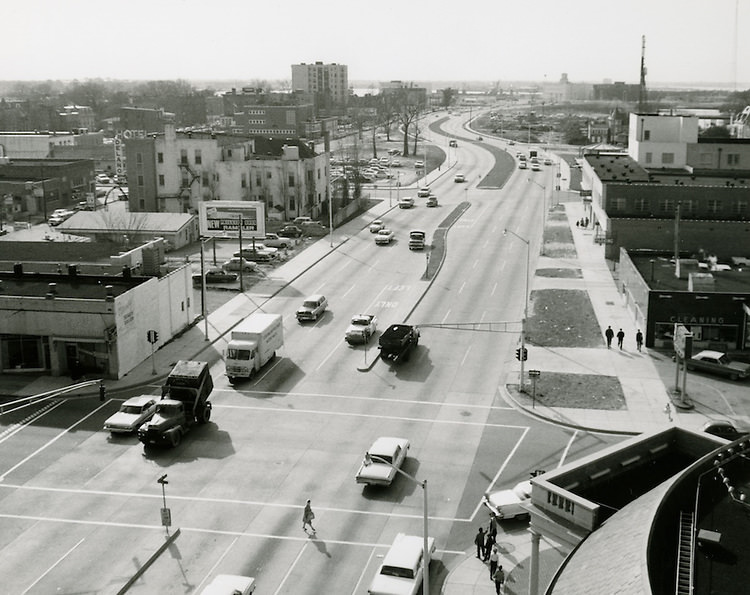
(320, 545)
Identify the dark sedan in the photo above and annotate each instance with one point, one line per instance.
(216, 276)
(291, 231)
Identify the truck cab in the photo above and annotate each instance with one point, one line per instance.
(416, 239)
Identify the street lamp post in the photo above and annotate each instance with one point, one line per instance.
(426, 550)
(525, 306)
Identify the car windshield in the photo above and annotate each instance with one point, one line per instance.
(381, 459)
(309, 304)
(131, 409)
(396, 571)
(239, 354)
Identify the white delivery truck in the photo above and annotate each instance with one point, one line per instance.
(253, 342)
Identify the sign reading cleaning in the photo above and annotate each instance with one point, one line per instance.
(222, 218)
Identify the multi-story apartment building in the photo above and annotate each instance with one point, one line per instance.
(328, 83)
(176, 171)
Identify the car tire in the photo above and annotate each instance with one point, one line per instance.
(175, 438)
(205, 416)
(733, 377)
(691, 368)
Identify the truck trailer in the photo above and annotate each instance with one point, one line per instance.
(252, 344)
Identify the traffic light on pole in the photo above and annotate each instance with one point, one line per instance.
(518, 354)
(525, 354)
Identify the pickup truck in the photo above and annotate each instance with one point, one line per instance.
(416, 239)
(361, 328)
(397, 342)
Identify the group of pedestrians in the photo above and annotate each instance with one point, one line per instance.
(488, 551)
(610, 334)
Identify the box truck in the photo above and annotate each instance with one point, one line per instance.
(252, 343)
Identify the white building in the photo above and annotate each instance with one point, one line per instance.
(322, 80)
(661, 141)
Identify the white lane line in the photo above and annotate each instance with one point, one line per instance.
(494, 288)
(269, 369)
(446, 316)
(567, 449)
(511, 454)
(327, 357)
(460, 289)
(364, 571)
(210, 572)
(463, 360)
(51, 442)
(358, 398)
(348, 290)
(291, 568)
(65, 555)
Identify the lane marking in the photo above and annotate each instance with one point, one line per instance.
(567, 448)
(466, 354)
(291, 567)
(358, 398)
(51, 568)
(208, 574)
(364, 571)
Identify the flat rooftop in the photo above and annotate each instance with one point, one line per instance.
(87, 287)
(660, 274)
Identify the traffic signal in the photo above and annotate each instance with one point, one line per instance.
(102, 391)
(525, 354)
(522, 354)
(518, 354)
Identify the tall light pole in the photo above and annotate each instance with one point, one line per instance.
(525, 306)
(425, 545)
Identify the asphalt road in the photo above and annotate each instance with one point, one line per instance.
(80, 510)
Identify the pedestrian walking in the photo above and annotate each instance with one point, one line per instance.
(494, 559)
(610, 334)
(620, 338)
(499, 578)
(307, 517)
(639, 340)
(479, 542)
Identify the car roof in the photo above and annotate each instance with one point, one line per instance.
(709, 353)
(386, 445)
(140, 400)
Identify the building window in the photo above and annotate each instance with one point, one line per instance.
(666, 206)
(139, 181)
(268, 175)
(257, 179)
(687, 207)
(646, 135)
(204, 178)
(714, 206)
(667, 158)
(183, 156)
(160, 157)
(640, 205)
(161, 179)
(229, 152)
(185, 181)
(291, 180)
(733, 158)
(243, 181)
(740, 207)
(619, 204)
(139, 158)
(649, 157)
(198, 158)
(291, 204)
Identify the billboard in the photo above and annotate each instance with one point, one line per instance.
(221, 218)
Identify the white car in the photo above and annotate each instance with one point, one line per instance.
(506, 504)
(230, 584)
(419, 164)
(238, 263)
(361, 328)
(132, 415)
(384, 236)
(459, 178)
(402, 571)
(381, 461)
(423, 192)
(405, 203)
(376, 226)
(273, 240)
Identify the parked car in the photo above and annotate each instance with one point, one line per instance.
(402, 570)
(273, 240)
(291, 231)
(384, 236)
(381, 461)
(716, 362)
(361, 328)
(103, 179)
(303, 221)
(723, 428)
(312, 308)
(395, 163)
(60, 215)
(459, 178)
(132, 414)
(547, 161)
(419, 164)
(407, 202)
(258, 254)
(238, 263)
(452, 143)
(216, 275)
(376, 226)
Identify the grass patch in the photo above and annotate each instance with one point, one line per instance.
(562, 318)
(561, 273)
(575, 391)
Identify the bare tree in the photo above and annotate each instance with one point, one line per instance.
(407, 104)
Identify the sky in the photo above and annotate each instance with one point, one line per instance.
(687, 41)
